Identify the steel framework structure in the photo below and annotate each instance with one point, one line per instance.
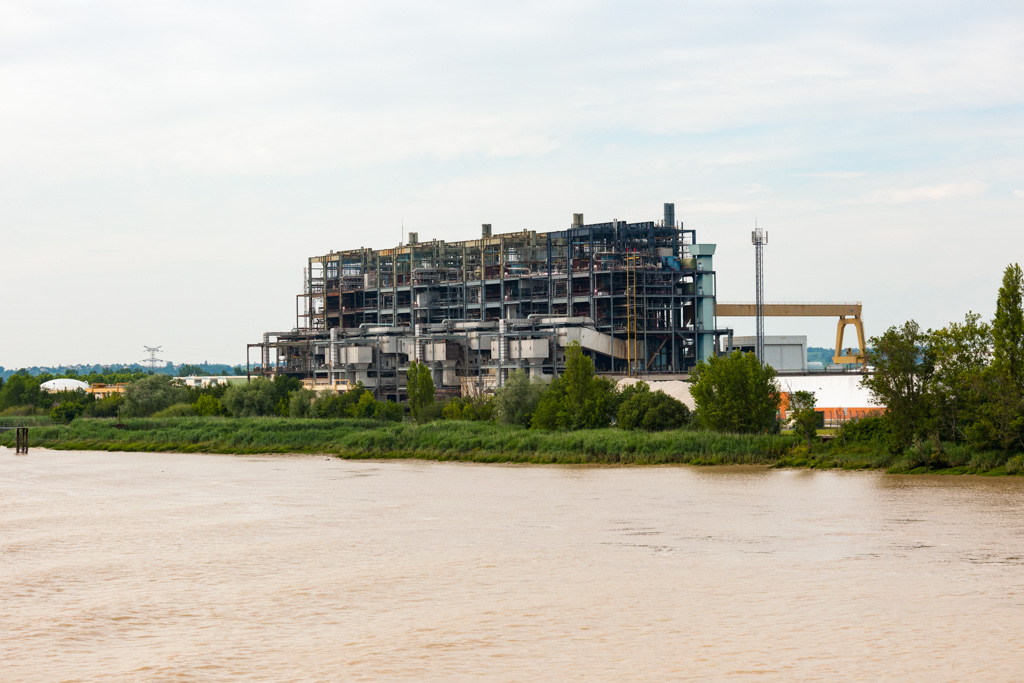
(759, 238)
(634, 285)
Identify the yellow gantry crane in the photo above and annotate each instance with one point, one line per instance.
(848, 312)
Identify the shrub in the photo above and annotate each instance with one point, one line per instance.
(365, 407)
(177, 410)
(430, 411)
(869, 429)
(652, 411)
(66, 411)
(389, 411)
(21, 411)
(336, 406)
(470, 409)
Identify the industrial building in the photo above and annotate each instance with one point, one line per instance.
(784, 353)
(639, 298)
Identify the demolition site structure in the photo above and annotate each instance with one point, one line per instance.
(639, 298)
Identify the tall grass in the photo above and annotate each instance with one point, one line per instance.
(490, 442)
(446, 440)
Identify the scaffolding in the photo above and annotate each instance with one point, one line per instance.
(641, 288)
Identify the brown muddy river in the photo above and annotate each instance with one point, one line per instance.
(168, 567)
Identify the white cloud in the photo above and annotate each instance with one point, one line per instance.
(832, 175)
(266, 133)
(932, 193)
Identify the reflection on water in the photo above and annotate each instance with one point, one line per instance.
(193, 567)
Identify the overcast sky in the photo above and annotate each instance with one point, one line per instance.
(167, 168)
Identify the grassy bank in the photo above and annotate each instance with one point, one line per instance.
(954, 459)
(472, 441)
(490, 442)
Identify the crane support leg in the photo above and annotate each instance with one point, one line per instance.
(840, 358)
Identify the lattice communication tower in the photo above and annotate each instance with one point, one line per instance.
(759, 238)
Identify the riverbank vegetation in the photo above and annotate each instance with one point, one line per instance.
(956, 393)
(954, 402)
(453, 440)
(861, 446)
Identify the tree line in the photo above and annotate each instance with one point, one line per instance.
(734, 393)
(85, 371)
(961, 384)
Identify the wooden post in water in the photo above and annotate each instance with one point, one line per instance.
(21, 440)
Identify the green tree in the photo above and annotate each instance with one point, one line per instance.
(805, 419)
(207, 405)
(22, 390)
(627, 391)
(548, 412)
(300, 402)
(1008, 328)
(578, 399)
(420, 387)
(252, 399)
(66, 411)
(104, 407)
(999, 423)
(735, 393)
(331, 406)
(515, 402)
(151, 394)
(366, 407)
(961, 353)
(282, 386)
(904, 366)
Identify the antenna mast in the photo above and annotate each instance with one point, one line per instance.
(759, 238)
